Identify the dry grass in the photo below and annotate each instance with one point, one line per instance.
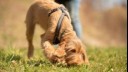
(100, 28)
(104, 27)
(12, 26)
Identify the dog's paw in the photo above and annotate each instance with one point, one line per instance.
(60, 53)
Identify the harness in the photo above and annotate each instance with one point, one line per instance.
(56, 40)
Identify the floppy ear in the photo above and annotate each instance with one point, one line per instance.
(84, 55)
(85, 58)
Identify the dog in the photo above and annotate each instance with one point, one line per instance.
(47, 13)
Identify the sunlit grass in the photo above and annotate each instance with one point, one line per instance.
(101, 60)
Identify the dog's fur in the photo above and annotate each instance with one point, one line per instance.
(70, 49)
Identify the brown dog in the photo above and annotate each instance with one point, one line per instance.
(70, 49)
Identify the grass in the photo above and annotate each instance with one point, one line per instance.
(101, 60)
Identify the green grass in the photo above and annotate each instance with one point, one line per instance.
(101, 60)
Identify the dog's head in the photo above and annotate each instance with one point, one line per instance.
(75, 53)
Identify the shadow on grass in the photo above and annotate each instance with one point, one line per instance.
(38, 62)
(13, 57)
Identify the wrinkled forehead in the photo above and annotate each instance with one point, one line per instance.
(73, 44)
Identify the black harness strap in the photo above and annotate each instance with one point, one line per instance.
(59, 24)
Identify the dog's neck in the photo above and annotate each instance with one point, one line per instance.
(68, 35)
(59, 24)
(64, 30)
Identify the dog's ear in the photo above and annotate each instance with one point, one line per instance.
(84, 55)
(85, 58)
(81, 48)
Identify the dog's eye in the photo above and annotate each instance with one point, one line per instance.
(70, 50)
(73, 50)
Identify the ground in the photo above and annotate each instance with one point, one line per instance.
(101, 60)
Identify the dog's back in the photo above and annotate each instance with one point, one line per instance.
(38, 12)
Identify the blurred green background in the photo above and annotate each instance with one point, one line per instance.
(104, 23)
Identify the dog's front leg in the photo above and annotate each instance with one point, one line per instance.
(48, 49)
(54, 55)
(60, 51)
